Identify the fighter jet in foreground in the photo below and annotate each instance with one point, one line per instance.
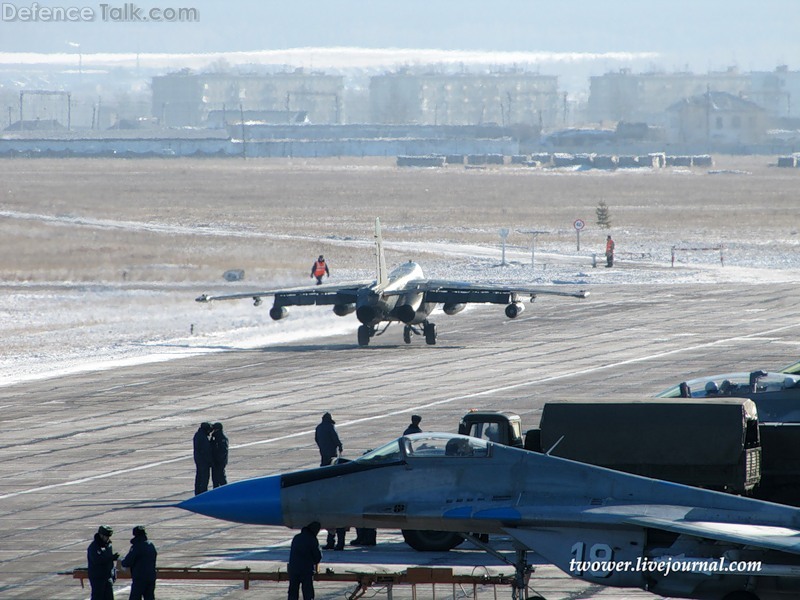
(606, 527)
(403, 295)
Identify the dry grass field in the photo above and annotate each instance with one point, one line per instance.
(89, 220)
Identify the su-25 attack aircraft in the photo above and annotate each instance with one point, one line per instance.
(606, 527)
(404, 295)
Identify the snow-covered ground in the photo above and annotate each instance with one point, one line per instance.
(61, 327)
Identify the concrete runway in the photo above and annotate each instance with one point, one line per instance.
(104, 447)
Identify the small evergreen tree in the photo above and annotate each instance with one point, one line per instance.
(603, 215)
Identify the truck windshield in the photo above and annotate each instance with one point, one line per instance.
(442, 444)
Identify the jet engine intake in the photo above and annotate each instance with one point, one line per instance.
(278, 312)
(514, 309)
(342, 310)
(453, 308)
(405, 313)
(368, 315)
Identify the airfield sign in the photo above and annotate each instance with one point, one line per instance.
(579, 224)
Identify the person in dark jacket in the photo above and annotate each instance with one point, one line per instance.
(327, 440)
(202, 458)
(304, 557)
(141, 560)
(219, 455)
(328, 443)
(101, 558)
(414, 427)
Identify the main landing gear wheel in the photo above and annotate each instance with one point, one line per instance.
(407, 334)
(431, 541)
(429, 330)
(364, 333)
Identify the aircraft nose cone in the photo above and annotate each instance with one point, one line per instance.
(254, 501)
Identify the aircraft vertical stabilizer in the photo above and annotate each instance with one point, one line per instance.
(382, 277)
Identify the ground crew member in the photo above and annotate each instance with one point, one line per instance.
(101, 558)
(327, 440)
(304, 557)
(414, 427)
(141, 560)
(319, 269)
(609, 252)
(202, 458)
(328, 443)
(219, 455)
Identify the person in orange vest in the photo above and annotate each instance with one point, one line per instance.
(319, 269)
(609, 252)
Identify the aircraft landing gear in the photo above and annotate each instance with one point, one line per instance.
(522, 570)
(365, 332)
(407, 334)
(429, 330)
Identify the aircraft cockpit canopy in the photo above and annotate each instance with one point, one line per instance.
(444, 444)
(426, 445)
(735, 384)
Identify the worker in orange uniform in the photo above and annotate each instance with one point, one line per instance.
(319, 269)
(609, 252)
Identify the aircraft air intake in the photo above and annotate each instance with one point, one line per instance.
(405, 313)
(367, 314)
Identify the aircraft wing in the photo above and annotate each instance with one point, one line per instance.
(448, 291)
(761, 536)
(698, 523)
(337, 293)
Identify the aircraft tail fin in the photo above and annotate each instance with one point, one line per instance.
(382, 277)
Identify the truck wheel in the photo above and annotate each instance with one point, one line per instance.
(431, 541)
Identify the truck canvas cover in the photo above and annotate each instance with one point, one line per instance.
(698, 442)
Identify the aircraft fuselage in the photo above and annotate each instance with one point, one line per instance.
(379, 303)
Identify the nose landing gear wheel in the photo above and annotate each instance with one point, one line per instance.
(364, 333)
(429, 330)
(407, 334)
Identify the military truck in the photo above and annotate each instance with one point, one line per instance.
(777, 397)
(714, 445)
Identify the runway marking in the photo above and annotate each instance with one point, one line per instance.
(657, 355)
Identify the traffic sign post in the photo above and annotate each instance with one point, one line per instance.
(533, 233)
(579, 224)
(503, 235)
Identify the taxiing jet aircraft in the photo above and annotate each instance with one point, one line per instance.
(606, 527)
(404, 295)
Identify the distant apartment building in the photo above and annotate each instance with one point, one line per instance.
(186, 99)
(716, 119)
(504, 99)
(778, 92)
(625, 96)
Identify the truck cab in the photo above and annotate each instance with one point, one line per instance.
(494, 426)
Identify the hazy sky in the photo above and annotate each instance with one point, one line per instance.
(703, 34)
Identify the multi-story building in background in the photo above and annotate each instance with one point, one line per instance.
(716, 120)
(185, 99)
(505, 99)
(644, 97)
(778, 92)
